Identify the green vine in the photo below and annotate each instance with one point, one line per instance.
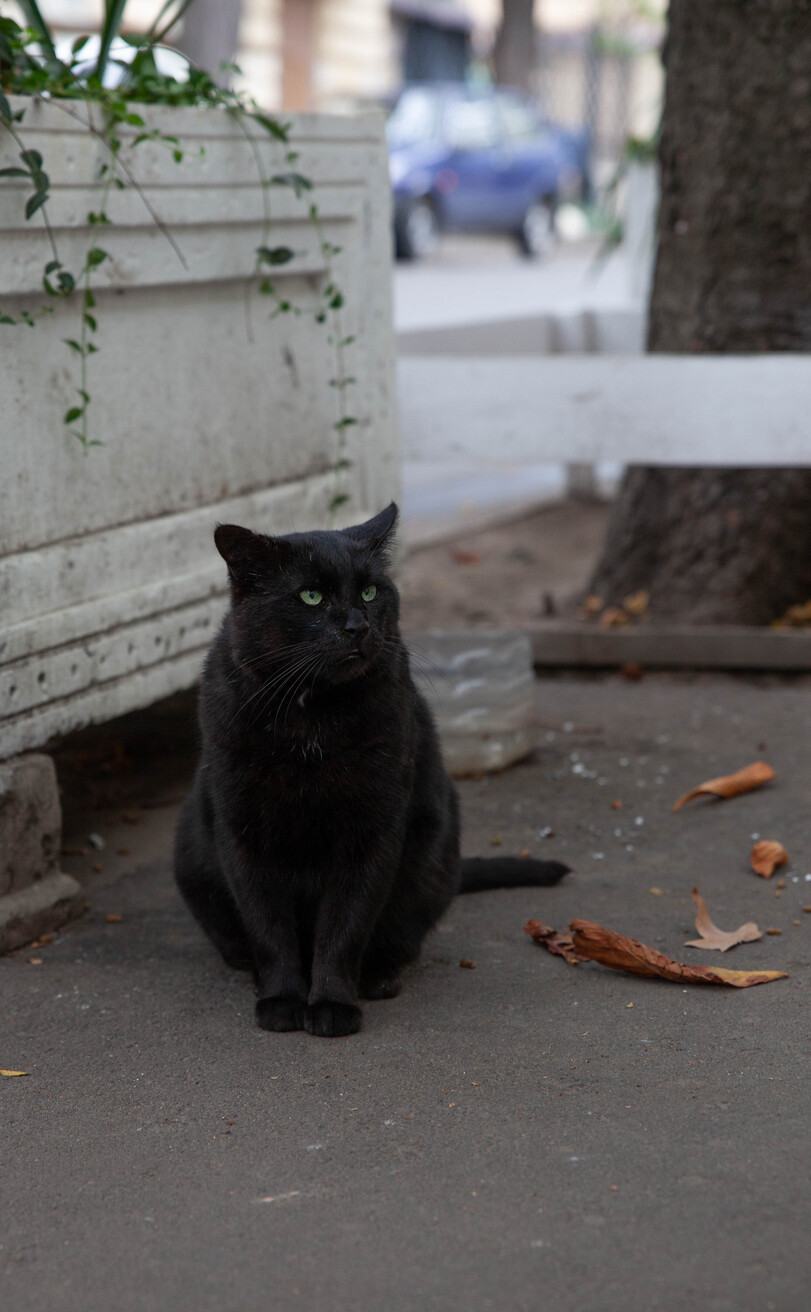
(29, 66)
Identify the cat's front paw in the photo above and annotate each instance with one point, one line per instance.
(329, 1020)
(280, 1014)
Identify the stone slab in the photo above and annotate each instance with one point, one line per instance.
(39, 909)
(30, 822)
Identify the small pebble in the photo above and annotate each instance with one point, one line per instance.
(467, 964)
(774, 931)
(113, 918)
(96, 840)
(546, 832)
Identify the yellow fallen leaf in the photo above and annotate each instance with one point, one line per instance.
(13, 1072)
(766, 856)
(719, 939)
(730, 785)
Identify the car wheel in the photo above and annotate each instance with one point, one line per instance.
(417, 231)
(536, 236)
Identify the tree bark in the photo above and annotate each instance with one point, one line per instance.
(210, 35)
(514, 55)
(733, 274)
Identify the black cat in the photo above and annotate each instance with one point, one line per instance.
(320, 841)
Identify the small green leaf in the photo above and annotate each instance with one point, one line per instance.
(74, 345)
(90, 321)
(95, 257)
(6, 318)
(296, 181)
(275, 254)
(272, 125)
(66, 282)
(89, 299)
(35, 203)
(5, 107)
(134, 120)
(338, 500)
(52, 265)
(91, 349)
(73, 414)
(14, 173)
(33, 159)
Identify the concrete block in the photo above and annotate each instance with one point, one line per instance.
(35, 896)
(39, 909)
(30, 822)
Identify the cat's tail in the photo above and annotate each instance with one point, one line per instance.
(480, 873)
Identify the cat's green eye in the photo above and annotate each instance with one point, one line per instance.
(369, 593)
(311, 597)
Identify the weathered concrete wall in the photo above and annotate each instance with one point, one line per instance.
(209, 409)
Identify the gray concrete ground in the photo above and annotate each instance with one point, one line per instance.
(519, 1136)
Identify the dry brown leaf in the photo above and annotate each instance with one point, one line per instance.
(560, 945)
(593, 605)
(637, 603)
(766, 856)
(10, 1073)
(720, 939)
(612, 617)
(622, 953)
(730, 785)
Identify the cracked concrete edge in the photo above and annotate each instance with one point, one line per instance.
(39, 909)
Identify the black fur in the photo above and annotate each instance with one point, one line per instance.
(320, 841)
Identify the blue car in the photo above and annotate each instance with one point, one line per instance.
(478, 159)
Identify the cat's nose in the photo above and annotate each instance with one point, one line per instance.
(356, 623)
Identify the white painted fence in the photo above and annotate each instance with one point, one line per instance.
(752, 410)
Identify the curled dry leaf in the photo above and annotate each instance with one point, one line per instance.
(767, 855)
(10, 1073)
(612, 617)
(622, 953)
(730, 785)
(560, 945)
(713, 937)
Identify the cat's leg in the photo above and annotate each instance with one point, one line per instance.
(343, 924)
(280, 980)
(203, 886)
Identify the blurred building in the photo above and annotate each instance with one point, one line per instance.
(596, 61)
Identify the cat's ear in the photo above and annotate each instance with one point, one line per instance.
(250, 557)
(376, 533)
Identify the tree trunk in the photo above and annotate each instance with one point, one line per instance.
(733, 274)
(514, 56)
(210, 35)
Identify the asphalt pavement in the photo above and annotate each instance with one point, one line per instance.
(520, 1135)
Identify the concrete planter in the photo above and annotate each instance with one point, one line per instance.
(209, 410)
